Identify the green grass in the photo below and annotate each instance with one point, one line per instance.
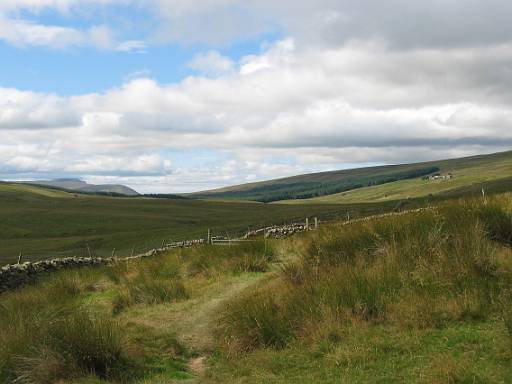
(460, 353)
(47, 335)
(423, 270)
(419, 298)
(70, 327)
(44, 223)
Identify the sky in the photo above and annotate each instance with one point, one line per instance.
(170, 96)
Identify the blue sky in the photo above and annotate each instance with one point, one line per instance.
(184, 95)
(76, 70)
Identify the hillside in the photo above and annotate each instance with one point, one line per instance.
(373, 184)
(45, 222)
(82, 186)
(418, 298)
(8, 189)
(470, 175)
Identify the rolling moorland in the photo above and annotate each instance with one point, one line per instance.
(423, 297)
(378, 184)
(47, 223)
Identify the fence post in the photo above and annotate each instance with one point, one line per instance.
(316, 222)
(307, 223)
(89, 251)
(19, 257)
(209, 242)
(113, 253)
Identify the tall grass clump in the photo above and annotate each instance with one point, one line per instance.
(255, 321)
(144, 289)
(506, 312)
(254, 256)
(497, 222)
(47, 336)
(425, 269)
(151, 281)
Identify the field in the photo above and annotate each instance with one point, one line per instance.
(43, 223)
(419, 298)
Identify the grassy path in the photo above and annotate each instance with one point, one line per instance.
(193, 321)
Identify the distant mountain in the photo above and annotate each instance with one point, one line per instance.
(82, 186)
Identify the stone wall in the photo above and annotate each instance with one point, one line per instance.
(278, 232)
(14, 276)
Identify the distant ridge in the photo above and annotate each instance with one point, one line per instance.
(380, 183)
(79, 185)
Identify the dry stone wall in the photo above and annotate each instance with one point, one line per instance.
(17, 275)
(14, 276)
(277, 232)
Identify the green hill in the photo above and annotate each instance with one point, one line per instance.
(45, 222)
(385, 183)
(82, 186)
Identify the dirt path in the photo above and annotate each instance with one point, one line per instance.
(194, 320)
(195, 327)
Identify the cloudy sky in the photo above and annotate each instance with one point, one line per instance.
(184, 95)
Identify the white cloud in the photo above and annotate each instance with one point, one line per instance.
(137, 46)
(355, 82)
(23, 33)
(303, 110)
(29, 110)
(402, 23)
(212, 63)
(26, 31)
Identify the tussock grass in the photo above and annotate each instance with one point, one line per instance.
(426, 270)
(46, 335)
(145, 290)
(53, 332)
(254, 256)
(160, 280)
(497, 221)
(149, 281)
(256, 321)
(422, 298)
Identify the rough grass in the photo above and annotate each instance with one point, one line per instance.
(426, 270)
(254, 256)
(422, 298)
(69, 327)
(47, 225)
(46, 335)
